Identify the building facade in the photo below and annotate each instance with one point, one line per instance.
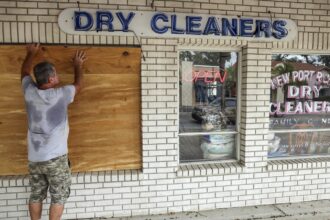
(169, 182)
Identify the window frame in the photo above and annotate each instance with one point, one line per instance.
(237, 132)
(271, 131)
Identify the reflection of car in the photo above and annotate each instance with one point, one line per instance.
(202, 113)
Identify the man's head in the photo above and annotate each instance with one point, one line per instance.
(45, 73)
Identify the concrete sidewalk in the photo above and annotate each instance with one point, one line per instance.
(316, 210)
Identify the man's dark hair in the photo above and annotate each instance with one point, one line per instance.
(42, 71)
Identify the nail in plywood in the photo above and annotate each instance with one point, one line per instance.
(105, 124)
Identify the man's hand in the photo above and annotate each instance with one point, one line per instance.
(78, 61)
(32, 50)
(79, 58)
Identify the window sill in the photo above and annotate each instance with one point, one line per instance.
(192, 170)
(302, 163)
(107, 176)
(81, 177)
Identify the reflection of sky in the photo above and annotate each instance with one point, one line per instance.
(228, 63)
(232, 61)
(302, 59)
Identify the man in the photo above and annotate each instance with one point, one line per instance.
(48, 131)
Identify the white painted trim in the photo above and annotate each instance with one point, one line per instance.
(299, 130)
(207, 133)
(238, 105)
(208, 162)
(208, 48)
(291, 158)
(178, 103)
(238, 101)
(300, 51)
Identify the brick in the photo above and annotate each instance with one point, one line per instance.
(282, 4)
(85, 192)
(27, 18)
(16, 189)
(16, 202)
(242, 8)
(118, 2)
(85, 204)
(75, 210)
(18, 214)
(7, 17)
(7, 4)
(27, 4)
(8, 208)
(266, 3)
(67, 5)
(37, 11)
(173, 4)
(236, 2)
(137, 2)
(191, 5)
(208, 6)
(99, 1)
(16, 11)
(319, 23)
(48, 18)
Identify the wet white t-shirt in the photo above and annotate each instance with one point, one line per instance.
(47, 119)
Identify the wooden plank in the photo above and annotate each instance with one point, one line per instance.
(101, 60)
(105, 121)
(13, 126)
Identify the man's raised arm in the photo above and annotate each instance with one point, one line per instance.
(31, 52)
(78, 61)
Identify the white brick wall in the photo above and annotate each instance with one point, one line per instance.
(164, 186)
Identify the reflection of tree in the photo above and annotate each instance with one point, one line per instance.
(186, 56)
(310, 59)
(317, 60)
(231, 79)
(205, 58)
(282, 68)
(288, 63)
(218, 59)
(278, 70)
(279, 57)
(325, 60)
(303, 58)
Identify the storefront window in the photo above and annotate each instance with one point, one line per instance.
(299, 107)
(208, 105)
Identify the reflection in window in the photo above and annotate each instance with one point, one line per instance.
(300, 94)
(208, 103)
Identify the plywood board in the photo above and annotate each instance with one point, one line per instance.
(105, 121)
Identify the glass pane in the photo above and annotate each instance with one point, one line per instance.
(208, 91)
(299, 144)
(300, 92)
(207, 147)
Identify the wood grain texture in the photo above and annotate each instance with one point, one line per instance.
(105, 123)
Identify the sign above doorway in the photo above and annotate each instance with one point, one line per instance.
(174, 25)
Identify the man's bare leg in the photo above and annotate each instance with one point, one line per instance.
(56, 211)
(35, 210)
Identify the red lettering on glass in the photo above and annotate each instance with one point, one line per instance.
(208, 76)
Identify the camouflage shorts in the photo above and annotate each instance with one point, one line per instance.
(54, 174)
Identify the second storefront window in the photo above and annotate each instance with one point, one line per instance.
(208, 105)
(299, 107)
